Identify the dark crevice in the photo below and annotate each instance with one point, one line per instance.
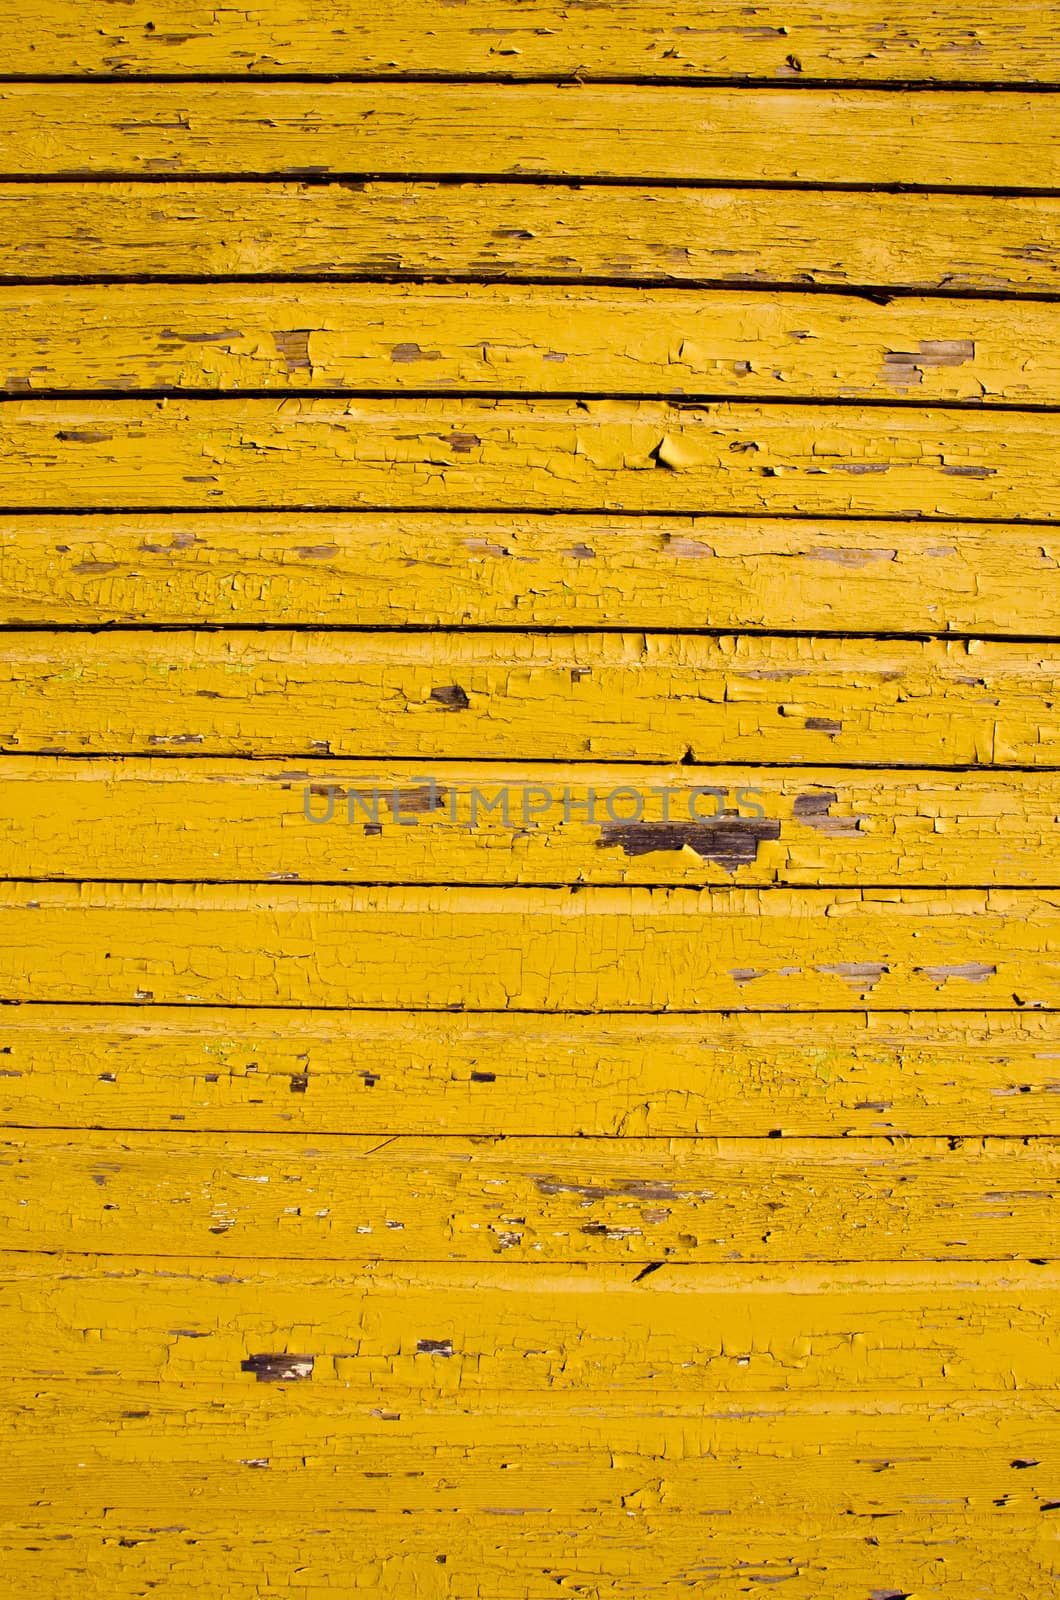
(304, 1014)
(314, 178)
(779, 883)
(679, 400)
(831, 519)
(357, 1266)
(879, 294)
(483, 514)
(390, 758)
(338, 630)
(1031, 1141)
(573, 79)
(194, 1007)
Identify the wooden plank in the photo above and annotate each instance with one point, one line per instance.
(578, 949)
(563, 455)
(247, 822)
(563, 697)
(309, 1071)
(121, 1448)
(632, 1200)
(650, 133)
(851, 40)
(536, 339)
(998, 244)
(623, 1555)
(351, 1338)
(504, 569)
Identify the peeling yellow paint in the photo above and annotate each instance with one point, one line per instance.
(501, 569)
(531, 696)
(276, 1070)
(548, 454)
(622, 1554)
(850, 39)
(650, 133)
(354, 1198)
(477, 1199)
(532, 949)
(532, 338)
(492, 822)
(1000, 244)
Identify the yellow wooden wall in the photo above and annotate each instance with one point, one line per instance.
(639, 416)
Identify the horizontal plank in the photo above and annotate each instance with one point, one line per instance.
(623, 1555)
(631, 1200)
(715, 135)
(225, 821)
(419, 1333)
(378, 569)
(587, 949)
(643, 38)
(833, 240)
(531, 338)
(122, 1448)
(216, 1069)
(656, 697)
(515, 454)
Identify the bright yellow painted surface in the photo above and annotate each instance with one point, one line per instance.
(805, 1331)
(574, 1201)
(531, 696)
(442, 1203)
(552, 455)
(847, 39)
(532, 949)
(495, 823)
(530, 338)
(513, 1451)
(458, 130)
(630, 1554)
(279, 1070)
(474, 232)
(503, 569)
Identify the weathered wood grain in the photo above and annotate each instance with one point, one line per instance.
(394, 1240)
(353, 1337)
(650, 133)
(309, 1071)
(577, 949)
(623, 1555)
(626, 1200)
(537, 697)
(504, 569)
(537, 339)
(833, 240)
(851, 39)
(122, 1445)
(490, 454)
(228, 821)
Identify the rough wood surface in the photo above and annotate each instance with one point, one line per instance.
(520, 1201)
(632, 1200)
(535, 339)
(576, 949)
(614, 1555)
(519, 1453)
(950, 242)
(308, 1071)
(354, 1336)
(562, 455)
(248, 821)
(979, 140)
(536, 697)
(505, 569)
(847, 39)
